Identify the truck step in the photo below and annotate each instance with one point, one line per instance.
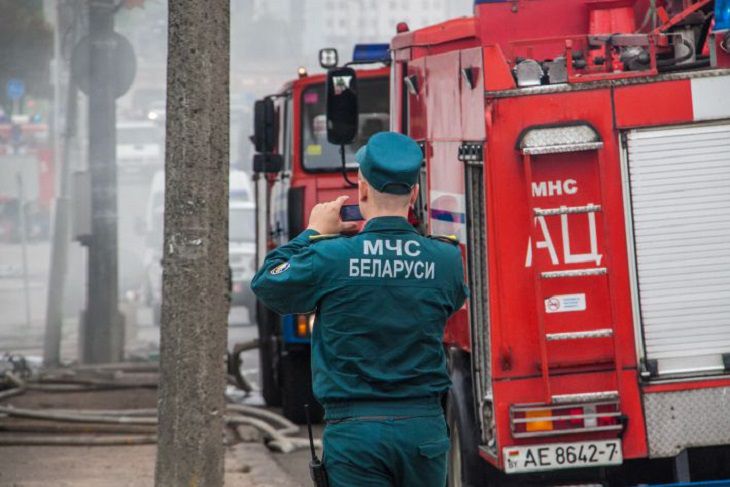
(585, 397)
(567, 210)
(598, 271)
(579, 335)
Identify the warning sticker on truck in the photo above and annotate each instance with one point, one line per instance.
(565, 303)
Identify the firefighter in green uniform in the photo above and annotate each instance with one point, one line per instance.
(381, 298)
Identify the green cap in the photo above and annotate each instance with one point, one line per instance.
(390, 162)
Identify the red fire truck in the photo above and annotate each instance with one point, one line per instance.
(580, 150)
(295, 168)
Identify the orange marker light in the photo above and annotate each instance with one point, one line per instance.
(546, 425)
(302, 326)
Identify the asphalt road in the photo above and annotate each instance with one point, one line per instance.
(296, 464)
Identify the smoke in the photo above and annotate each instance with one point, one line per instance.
(269, 41)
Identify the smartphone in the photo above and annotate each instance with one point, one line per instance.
(350, 213)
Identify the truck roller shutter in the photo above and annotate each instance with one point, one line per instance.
(679, 182)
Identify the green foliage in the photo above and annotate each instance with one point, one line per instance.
(26, 47)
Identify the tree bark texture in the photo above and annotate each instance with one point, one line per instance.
(195, 257)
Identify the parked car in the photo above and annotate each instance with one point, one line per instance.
(242, 241)
(242, 253)
(140, 147)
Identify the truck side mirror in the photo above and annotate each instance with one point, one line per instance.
(264, 122)
(342, 106)
(268, 163)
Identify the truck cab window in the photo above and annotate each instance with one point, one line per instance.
(318, 154)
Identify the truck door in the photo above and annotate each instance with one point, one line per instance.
(678, 212)
(279, 192)
(412, 117)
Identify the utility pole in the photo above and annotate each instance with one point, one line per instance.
(24, 245)
(102, 336)
(61, 208)
(61, 237)
(195, 289)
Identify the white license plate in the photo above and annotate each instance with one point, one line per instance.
(555, 456)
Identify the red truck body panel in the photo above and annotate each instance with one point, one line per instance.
(555, 223)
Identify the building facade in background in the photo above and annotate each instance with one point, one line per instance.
(343, 23)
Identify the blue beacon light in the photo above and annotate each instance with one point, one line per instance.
(371, 53)
(722, 14)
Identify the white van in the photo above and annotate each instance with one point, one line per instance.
(242, 240)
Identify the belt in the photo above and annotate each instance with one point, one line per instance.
(421, 406)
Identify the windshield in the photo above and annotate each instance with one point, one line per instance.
(241, 225)
(318, 154)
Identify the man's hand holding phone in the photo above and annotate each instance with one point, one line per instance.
(325, 218)
(350, 213)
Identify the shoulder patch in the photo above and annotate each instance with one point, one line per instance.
(451, 239)
(319, 238)
(279, 269)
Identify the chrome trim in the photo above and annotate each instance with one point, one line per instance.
(631, 246)
(567, 210)
(613, 414)
(594, 85)
(585, 397)
(585, 416)
(592, 429)
(521, 408)
(598, 271)
(560, 149)
(694, 378)
(578, 335)
(478, 276)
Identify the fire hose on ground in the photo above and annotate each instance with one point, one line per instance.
(131, 426)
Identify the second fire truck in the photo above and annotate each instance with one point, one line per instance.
(295, 169)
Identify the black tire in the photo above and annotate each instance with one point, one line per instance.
(268, 355)
(471, 470)
(296, 388)
(465, 469)
(455, 463)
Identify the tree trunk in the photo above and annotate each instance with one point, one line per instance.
(195, 286)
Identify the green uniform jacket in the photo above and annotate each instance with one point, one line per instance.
(381, 297)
